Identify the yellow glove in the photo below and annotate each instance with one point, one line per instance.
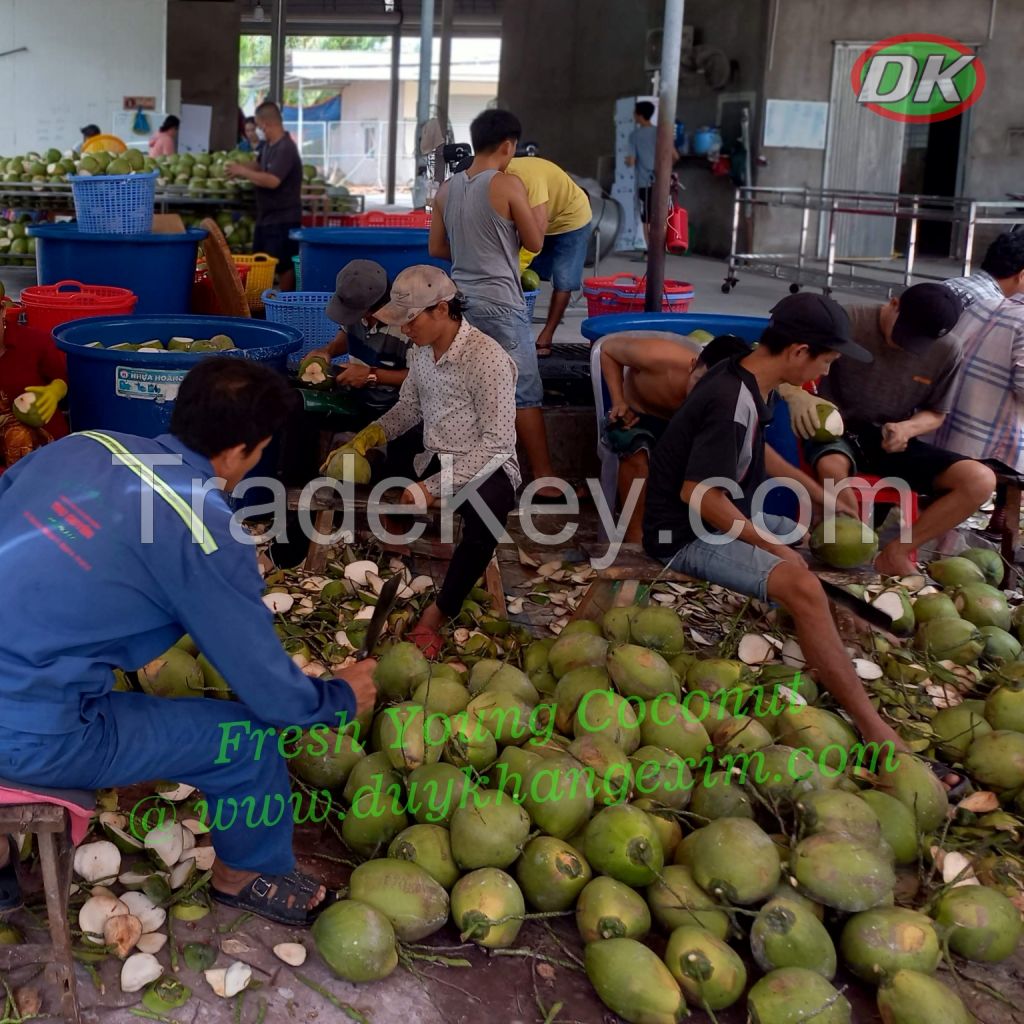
(367, 438)
(525, 259)
(809, 414)
(48, 397)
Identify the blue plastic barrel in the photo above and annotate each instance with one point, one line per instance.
(324, 251)
(132, 392)
(779, 433)
(159, 269)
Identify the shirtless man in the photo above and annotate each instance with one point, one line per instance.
(647, 379)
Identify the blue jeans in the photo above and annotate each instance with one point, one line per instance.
(510, 328)
(562, 258)
(736, 565)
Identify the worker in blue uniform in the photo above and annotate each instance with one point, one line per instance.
(112, 552)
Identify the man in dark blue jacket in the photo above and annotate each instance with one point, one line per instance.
(115, 546)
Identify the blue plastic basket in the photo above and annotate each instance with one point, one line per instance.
(531, 302)
(114, 204)
(305, 311)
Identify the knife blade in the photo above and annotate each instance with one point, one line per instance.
(868, 612)
(385, 602)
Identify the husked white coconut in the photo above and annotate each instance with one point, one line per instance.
(141, 906)
(357, 572)
(97, 862)
(95, 912)
(292, 953)
(755, 649)
(229, 981)
(138, 971)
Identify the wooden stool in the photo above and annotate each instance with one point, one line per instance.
(49, 823)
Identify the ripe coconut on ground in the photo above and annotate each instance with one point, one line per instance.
(844, 542)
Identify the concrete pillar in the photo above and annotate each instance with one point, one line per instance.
(396, 69)
(444, 73)
(277, 51)
(202, 52)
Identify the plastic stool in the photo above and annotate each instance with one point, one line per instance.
(887, 496)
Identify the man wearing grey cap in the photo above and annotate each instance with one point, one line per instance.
(361, 289)
(461, 387)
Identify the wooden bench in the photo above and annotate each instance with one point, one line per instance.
(49, 824)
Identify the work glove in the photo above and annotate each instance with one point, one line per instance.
(808, 413)
(367, 438)
(525, 259)
(48, 397)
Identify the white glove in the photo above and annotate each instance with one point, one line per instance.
(805, 412)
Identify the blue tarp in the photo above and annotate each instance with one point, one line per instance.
(329, 110)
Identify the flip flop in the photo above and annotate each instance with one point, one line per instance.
(10, 891)
(955, 793)
(256, 898)
(545, 351)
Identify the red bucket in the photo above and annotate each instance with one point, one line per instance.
(48, 305)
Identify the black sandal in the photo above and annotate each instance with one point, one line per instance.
(955, 793)
(10, 891)
(256, 898)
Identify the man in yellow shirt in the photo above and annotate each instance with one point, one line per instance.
(562, 210)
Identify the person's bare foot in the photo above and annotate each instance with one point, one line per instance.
(5, 852)
(232, 881)
(545, 343)
(894, 560)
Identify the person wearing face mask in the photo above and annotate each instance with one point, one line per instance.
(461, 388)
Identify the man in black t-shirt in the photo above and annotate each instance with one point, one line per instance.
(278, 184)
(709, 473)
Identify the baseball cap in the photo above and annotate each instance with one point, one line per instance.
(810, 319)
(359, 287)
(927, 311)
(416, 289)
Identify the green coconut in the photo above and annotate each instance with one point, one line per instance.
(613, 772)
(667, 724)
(897, 823)
(607, 909)
(435, 791)
(551, 874)
(842, 872)
(955, 572)
(717, 796)
(615, 624)
(981, 924)
(912, 782)
(956, 728)
(708, 971)
(471, 744)
(508, 772)
(1004, 707)
(832, 810)
(909, 997)
(488, 908)
(558, 793)
(786, 934)
(658, 628)
(585, 626)
(996, 759)
(577, 650)
(783, 773)
(794, 995)
(741, 733)
(934, 606)
(954, 640)
(410, 737)
(406, 894)
(639, 672)
(372, 773)
(1000, 646)
(609, 715)
(675, 899)
(572, 688)
(490, 831)
(989, 561)
(983, 605)
(356, 941)
(429, 847)
(633, 982)
(503, 715)
(400, 670)
(326, 758)
(373, 821)
(670, 832)
(441, 695)
(623, 843)
(734, 860)
(877, 943)
(174, 674)
(662, 776)
(214, 683)
(851, 544)
(509, 679)
(820, 731)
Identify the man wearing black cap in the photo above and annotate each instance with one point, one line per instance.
(90, 131)
(905, 392)
(707, 483)
(361, 289)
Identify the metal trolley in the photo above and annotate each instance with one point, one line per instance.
(820, 211)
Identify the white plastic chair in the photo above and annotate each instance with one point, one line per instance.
(609, 460)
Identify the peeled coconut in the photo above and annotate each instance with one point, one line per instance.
(96, 911)
(229, 981)
(315, 371)
(830, 423)
(292, 953)
(122, 932)
(151, 942)
(138, 971)
(97, 862)
(755, 649)
(24, 409)
(167, 843)
(141, 906)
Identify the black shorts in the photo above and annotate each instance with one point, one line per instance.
(918, 465)
(646, 201)
(274, 241)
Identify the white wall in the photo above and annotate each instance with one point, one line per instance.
(83, 58)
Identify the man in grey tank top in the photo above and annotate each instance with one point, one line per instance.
(482, 217)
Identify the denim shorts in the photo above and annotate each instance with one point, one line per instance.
(736, 565)
(562, 258)
(510, 328)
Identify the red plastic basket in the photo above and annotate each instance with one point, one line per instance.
(625, 293)
(48, 305)
(380, 219)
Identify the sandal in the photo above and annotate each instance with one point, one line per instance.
(10, 891)
(545, 351)
(256, 898)
(941, 771)
(429, 641)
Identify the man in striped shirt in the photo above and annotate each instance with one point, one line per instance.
(1001, 275)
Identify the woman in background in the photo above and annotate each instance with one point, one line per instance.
(165, 142)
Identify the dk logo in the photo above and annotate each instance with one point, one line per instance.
(918, 78)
